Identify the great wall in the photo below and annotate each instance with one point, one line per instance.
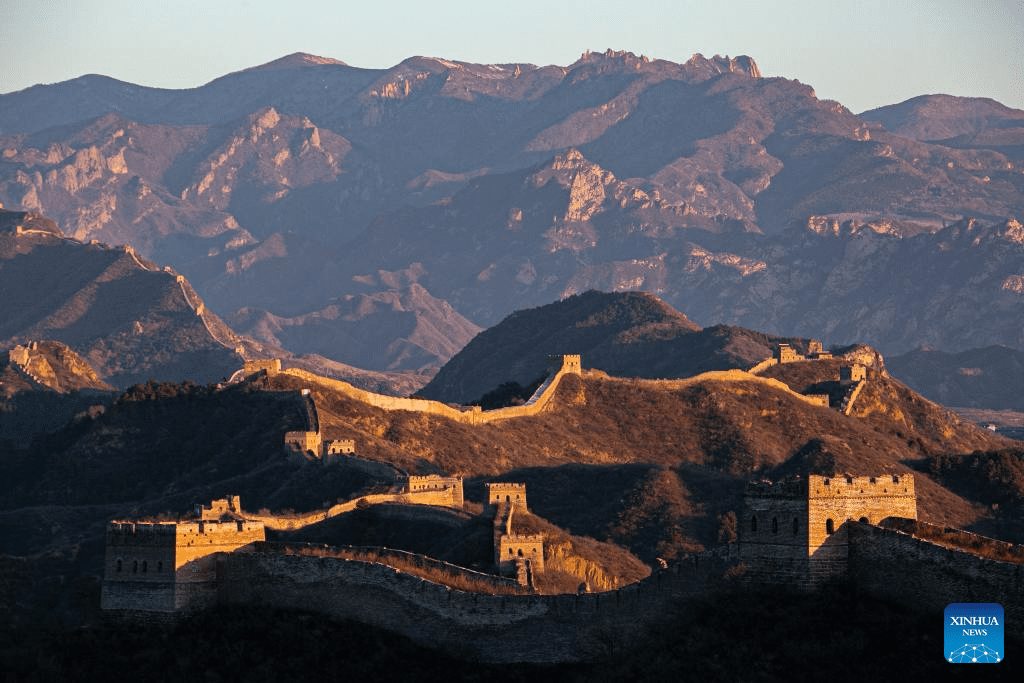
(801, 533)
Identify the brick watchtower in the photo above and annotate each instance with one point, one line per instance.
(794, 531)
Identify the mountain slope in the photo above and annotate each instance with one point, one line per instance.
(128, 319)
(626, 334)
(988, 377)
(941, 117)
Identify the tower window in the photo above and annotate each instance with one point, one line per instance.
(830, 526)
(796, 526)
(119, 565)
(775, 525)
(864, 520)
(145, 566)
(753, 523)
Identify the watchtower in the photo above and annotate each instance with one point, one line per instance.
(512, 494)
(251, 367)
(304, 442)
(444, 490)
(787, 354)
(171, 566)
(340, 447)
(851, 374)
(569, 363)
(516, 549)
(795, 531)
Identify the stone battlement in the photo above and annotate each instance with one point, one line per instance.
(900, 485)
(787, 488)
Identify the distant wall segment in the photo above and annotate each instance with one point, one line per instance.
(472, 415)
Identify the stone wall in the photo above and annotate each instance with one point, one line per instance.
(846, 405)
(472, 415)
(470, 626)
(763, 365)
(375, 468)
(893, 565)
(444, 497)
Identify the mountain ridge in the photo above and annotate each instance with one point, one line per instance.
(741, 199)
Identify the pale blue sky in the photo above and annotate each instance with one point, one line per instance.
(864, 54)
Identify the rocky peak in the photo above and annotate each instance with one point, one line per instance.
(701, 66)
(262, 121)
(609, 56)
(1013, 231)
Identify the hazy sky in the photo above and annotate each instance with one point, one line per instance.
(864, 54)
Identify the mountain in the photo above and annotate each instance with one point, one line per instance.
(129, 319)
(954, 120)
(626, 334)
(988, 377)
(650, 466)
(396, 325)
(281, 191)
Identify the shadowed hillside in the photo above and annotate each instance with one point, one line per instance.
(976, 378)
(626, 334)
(130, 320)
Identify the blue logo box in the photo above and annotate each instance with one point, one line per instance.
(973, 633)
